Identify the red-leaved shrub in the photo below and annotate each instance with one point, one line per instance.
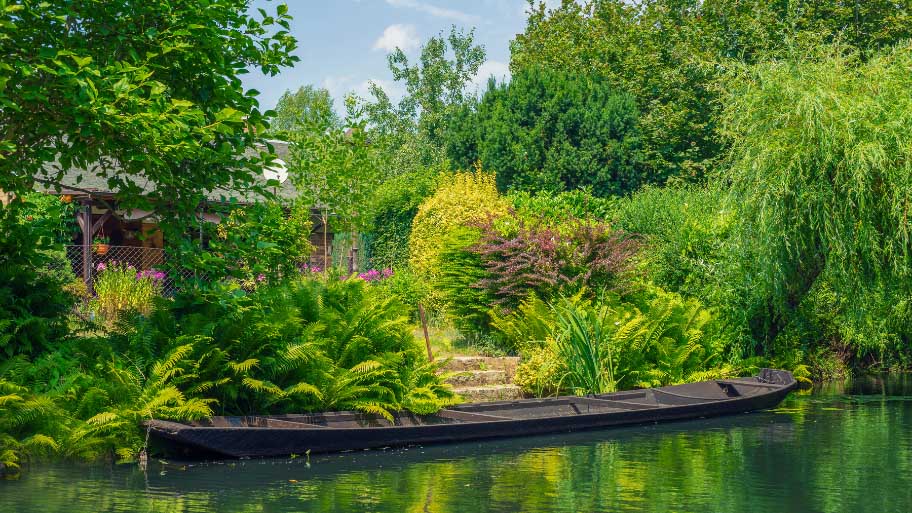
(539, 259)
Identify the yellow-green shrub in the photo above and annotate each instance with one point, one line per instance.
(460, 200)
(541, 371)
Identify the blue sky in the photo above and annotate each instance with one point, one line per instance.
(343, 44)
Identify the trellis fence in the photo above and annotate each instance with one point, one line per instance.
(84, 262)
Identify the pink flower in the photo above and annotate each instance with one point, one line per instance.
(315, 269)
(387, 272)
(101, 266)
(261, 277)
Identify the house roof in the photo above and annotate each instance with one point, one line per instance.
(86, 180)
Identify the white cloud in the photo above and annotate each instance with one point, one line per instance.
(499, 70)
(433, 10)
(342, 85)
(400, 36)
(338, 85)
(394, 90)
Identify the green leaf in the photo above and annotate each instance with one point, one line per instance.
(229, 114)
(82, 61)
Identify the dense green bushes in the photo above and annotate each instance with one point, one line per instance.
(553, 131)
(460, 200)
(308, 344)
(33, 302)
(394, 206)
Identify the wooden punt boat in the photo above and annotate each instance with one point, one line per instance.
(280, 435)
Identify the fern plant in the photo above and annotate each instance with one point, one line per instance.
(29, 424)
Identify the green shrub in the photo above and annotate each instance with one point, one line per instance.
(555, 210)
(394, 206)
(262, 240)
(687, 230)
(33, 303)
(405, 286)
(458, 281)
(541, 371)
(460, 200)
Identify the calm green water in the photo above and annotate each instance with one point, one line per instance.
(836, 449)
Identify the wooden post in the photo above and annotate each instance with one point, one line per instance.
(354, 253)
(89, 229)
(85, 223)
(325, 220)
(427, 339)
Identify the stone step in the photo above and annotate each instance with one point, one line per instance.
(489, 393)
(506, 364)
(479, 378)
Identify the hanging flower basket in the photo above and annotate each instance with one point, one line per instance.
(101, 245)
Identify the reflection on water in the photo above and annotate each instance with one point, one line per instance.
(833, 449)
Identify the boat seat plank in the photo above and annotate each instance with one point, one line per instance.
(747, 383)
(515, 405)
(623, 405)
(281, 423)
(469, 416)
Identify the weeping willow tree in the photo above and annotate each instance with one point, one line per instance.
(821, 174)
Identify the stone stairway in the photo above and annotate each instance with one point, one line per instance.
(484, 378)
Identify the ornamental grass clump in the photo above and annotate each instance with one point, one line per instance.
(584, 345)
(119, 288)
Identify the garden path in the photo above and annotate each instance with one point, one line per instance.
(484, 378)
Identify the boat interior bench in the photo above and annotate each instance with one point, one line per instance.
(634, 400)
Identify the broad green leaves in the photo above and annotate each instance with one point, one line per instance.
(148, 95)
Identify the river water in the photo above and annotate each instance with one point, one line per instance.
(837, 448)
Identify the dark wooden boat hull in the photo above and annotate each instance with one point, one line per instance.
(281, 435)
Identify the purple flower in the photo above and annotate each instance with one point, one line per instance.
(387, 272)
(261, 277)
(158, 275)
(101, 266)
(315, 269)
